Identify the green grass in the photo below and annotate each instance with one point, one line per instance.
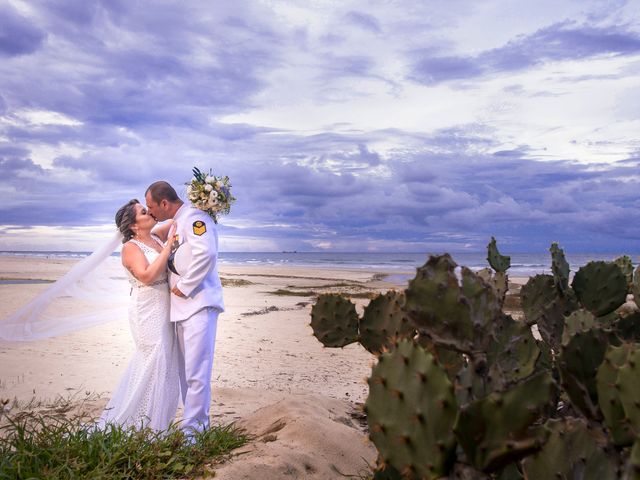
(37, 445)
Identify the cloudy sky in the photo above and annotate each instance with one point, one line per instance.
(346, 125)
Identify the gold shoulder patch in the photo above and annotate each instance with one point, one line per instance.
(199, 227)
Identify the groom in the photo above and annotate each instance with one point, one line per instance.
(196, 300)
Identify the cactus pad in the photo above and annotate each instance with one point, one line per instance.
(577, 321)
(497, 430)
(500, 263)
(559, 267)
(578, 364)
(484, 305)
(411, 410)
(450, 360)
(629, 388)
(334, 320)
(434, 303)
(573, 451)
(600, 287)
(513, 354)
(498, 281)
(545, 306)
(633, 464)
(609, 392)
(384, 321)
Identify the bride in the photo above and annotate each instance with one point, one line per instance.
(149, 390)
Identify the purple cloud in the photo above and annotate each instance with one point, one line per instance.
(562, 41)
(363, 20)
(18, 36)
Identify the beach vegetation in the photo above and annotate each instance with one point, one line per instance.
(461, 389)
(285, 292)
(233, 282)
(329, 286)
(51, 445)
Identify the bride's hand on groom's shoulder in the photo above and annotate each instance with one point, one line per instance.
(162, 230)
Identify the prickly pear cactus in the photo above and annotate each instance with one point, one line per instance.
(499, 281)
(578, 364)
(600, 287)
(334, 320)
(460, 349)
(411, 410)
(384, 321)
(453, 315)
(545, 307)
(500, 263)
(632, 468)
(559, 267)
(628, 386)
(450, 360)
(577, 321)
(610, 390)
(513, 354)
(435, 306)
(497, 430)
(536, 294)
(573, 450)
(484, 306)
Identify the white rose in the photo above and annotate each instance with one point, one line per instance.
(209, 179)
(208, 187)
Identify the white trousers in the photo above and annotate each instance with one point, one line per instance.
(196, 343)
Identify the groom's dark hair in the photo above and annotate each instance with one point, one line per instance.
(161, 190)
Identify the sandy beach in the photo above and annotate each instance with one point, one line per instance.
(299, 399)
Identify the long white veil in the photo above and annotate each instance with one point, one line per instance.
(93, 292)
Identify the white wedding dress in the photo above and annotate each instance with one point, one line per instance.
(149, 391)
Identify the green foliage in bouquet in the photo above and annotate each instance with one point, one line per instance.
(462, 390)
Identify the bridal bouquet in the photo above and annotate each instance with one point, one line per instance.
(210, 193)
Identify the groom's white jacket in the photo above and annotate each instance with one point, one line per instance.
(201, 282)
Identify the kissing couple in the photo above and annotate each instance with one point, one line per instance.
(173, 312)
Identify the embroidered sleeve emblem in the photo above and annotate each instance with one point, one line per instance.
(199, 227)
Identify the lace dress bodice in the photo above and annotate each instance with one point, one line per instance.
(150, 254)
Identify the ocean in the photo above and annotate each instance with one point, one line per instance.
(522, 264)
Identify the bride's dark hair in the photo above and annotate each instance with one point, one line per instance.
(126, 218)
